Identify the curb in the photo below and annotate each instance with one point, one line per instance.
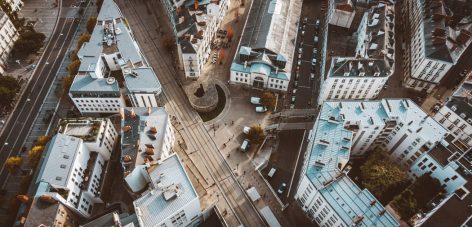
(23, 89)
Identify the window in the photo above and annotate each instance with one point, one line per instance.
(63, 166)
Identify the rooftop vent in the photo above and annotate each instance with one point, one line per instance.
(111, 80)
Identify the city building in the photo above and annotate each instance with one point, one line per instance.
(146, 136)
(437, 39)
(112, 68)
(363, 74)
(46, 211)
(397, 126)
(8, 36)
(267, 47)
(114, 219)
(15, 5)
(71, 174)
(343, 14)
(170, 198)
(98, 134)
(456, 115)
(194, 23)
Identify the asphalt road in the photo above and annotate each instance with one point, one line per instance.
(22, 118)
(306, 89)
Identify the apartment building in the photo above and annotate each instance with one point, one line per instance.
(170, 199)
(8, 36)
(98, 134)
(363, 75)
(146, 136)
(195, 24)
(437, 39)
(266, 49)
(72, 174)
(46, 211)
(343, 13)
(325, 192)
(15, 5)
(113, 68)
(456, 115)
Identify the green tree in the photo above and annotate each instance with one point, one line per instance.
(256, 134)
(82, 39)
(92, 21)
(73, 67)
(29, 42)
(9, 86)
(405, 204)
(34, 155)
(13, 164)
(73, 55)
(268, 100)
(379, 174)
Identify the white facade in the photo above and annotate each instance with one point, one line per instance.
(259, 79)
(8, 36)
(364, 75)
(112, 50)
(72, 168)
(433, 47)
(194, 31)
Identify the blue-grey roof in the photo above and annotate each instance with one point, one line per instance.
(329, 151)
(260, 68)
(109, 11)
(239, 68)
(85, 83)
(145, 81)
(153, 206)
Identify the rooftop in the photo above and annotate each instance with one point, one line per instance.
(443, 42)
(170, 190)
(142, 135)
(141, 80)
(270, 33)
(461, 100)
(61, 152)
(85, 84)
(110, 220)
(46, 212)
(85, 129)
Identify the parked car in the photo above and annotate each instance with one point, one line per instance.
(246, 129)
(282, 188)
(261, 109)
(293, 99)
(294, 91)
(245, 145)
(315, 51)
(299, 56)
(300, 50)
(295, 84)
(313, 61)
(271, 172)
(305, 20)
(255, 100)
(299, 62)
(312, 76)
(317, 23)
(315, 39)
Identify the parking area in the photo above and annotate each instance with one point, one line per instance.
(283, 160)
(305, 71)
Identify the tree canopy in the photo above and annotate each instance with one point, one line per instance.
(82, 39)
(29, 42)
(9, 86)
(73, 67)
(13, 164)
(92, 21)
(34, 155)
(256, 134)
(379, 174)
(268, 100)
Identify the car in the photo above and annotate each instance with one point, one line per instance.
(271, 172)
(297, 75)
(299, 56)
(245, 145)
(293, 99)
(317, 23)
(300, 50)
(303, 27)
(315, 50)
(255, 100)
(299, 62)
(295, 84)
(261, 109)
(292, 106)
(246, 129)
(294, 91)
(313, 61)
(303, 33)
(305, 20)
(312, 76)
(315, 39)
(282, 188)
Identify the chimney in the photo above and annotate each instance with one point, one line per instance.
(276, 70)
(149, 111)
(245, 64)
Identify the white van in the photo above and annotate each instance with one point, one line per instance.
(245, 145)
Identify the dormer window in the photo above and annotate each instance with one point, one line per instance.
(454, 108)
(462, 115)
